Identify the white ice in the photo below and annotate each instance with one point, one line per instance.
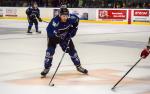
(101, 48)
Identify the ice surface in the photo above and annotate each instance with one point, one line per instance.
(106, 50)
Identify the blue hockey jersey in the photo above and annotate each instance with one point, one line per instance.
(33, 13)
(55, 25)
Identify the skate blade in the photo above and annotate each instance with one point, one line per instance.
(43, 77)
(38, 33)
(29, 33)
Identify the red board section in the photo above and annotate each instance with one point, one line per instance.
(141, 12)
(112, 14)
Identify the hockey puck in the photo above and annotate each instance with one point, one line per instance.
(52, 85)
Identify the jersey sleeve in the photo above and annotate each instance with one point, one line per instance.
(28, 11)
(38, 14)
(74, 27)
(76, 22)
(51, 28)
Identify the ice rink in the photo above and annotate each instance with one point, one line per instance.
(107, 51)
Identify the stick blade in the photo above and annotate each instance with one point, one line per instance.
(113, 89)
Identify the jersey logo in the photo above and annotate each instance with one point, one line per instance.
(55, 24)
(72, 17)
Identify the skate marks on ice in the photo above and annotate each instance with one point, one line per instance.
(120, 43)
(95, 77)
(6, 30)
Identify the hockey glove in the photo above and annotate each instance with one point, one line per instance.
(40, 20)
(67, 37)
(145, 53)
(31, 17)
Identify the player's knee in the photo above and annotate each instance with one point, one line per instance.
(65, 49)
(73, 54)
(36, 27)
(50, 52)
(36, 24)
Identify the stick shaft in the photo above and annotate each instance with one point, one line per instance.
(56, 69)
(127, 73)
(45, 21)
(59, 63)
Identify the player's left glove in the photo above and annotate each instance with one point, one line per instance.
(67, 36)
(40, 20)
(145, 53)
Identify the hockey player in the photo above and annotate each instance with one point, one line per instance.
(33, 13)
(60, 30)
(145, 53)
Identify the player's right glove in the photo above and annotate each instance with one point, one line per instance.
(145, 53)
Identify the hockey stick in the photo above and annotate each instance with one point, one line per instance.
(126, 73)
(45, 21)
(59, 64)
